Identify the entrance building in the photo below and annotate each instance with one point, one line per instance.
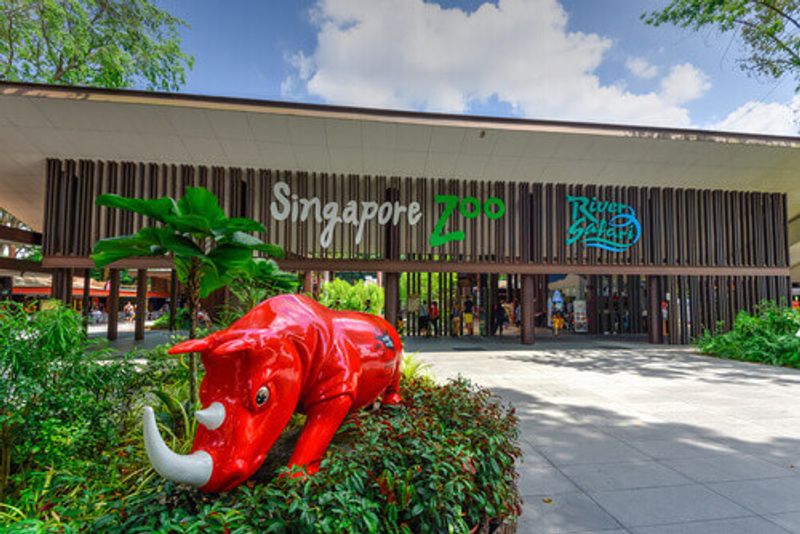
(673, 231)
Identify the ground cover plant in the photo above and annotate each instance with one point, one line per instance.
(443, 461)
(766, 336)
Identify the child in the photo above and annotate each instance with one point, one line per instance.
(558, 324)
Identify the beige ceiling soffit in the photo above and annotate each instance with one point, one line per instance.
(323, 111)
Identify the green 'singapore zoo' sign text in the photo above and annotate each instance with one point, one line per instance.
(288, 206)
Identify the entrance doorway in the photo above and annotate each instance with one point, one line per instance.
(596, 304)
(440, 304)
(449, 304)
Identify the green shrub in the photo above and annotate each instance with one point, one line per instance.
(443, 461)
(181, 321)
(250, 289)
(340, 295)
(59, 405)
(767, 336)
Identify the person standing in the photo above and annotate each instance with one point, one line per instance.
(468, 319)
(455, 320)
(434, 314)
(558, 323)
(129, 312)
(500, 317)
(424, 320)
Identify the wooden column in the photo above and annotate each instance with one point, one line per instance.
(141, 304)
(87, 282)
(61, 285)
(491, 298)
(173, 299)
(391, 301)
(391, 280)
(528, 303)
(112, 304)
(653, 310)
(592, 314)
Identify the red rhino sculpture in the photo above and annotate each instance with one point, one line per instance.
(287, 354)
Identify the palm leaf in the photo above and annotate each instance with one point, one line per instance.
(158, 208)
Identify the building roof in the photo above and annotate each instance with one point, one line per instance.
(40, 121)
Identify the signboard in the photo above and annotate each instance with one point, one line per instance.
(413, 304)
(611, 226)
(288, 206)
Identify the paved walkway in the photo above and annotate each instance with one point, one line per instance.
(627, 437)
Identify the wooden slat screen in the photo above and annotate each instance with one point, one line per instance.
(680, 227)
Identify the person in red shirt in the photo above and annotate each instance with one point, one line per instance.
(434, 315)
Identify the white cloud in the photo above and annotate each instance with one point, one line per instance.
(763, 117)
(684, 83)
(411, 54)
(641, 68)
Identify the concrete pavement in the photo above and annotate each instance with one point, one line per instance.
(629, 437)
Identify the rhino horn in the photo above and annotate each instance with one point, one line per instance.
(193, 469)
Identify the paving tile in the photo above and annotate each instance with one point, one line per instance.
(790, 522)
(591, 452)
(569, 512)
(628, 475)
(770, 496)
(743, 525)
(657, 506)
(531, 456)
(651, 431)
(534, 480)
(663, 449)
(727, 467)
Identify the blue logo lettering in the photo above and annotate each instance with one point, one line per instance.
(607, 225)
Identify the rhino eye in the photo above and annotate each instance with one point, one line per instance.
(262, 395)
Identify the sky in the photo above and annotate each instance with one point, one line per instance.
(577, 60)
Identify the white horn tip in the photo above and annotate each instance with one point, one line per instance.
(211, 417)
(193, 469)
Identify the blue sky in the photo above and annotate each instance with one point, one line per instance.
(590, 60)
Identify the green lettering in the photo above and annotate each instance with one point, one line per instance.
(500, 208)
(437, 237)
(470, 213)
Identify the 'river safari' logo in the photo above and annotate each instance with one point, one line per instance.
(602, 224)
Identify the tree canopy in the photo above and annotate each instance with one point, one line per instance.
(769, 30)
(103, 43)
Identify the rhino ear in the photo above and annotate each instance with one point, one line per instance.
(190, 345)
(230, 347)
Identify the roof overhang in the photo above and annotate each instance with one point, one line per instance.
(40, 121)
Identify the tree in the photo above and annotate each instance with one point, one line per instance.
(263, 281)
(208, 248)
(770, 30)
(360, 296)
(104, 43)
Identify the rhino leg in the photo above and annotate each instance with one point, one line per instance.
(392, 394)
(322, 421)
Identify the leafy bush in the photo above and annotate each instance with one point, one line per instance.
(442, 461)
(340, 295)
(181, 321)
(251, 288)
(59, 405)
(768, 336)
